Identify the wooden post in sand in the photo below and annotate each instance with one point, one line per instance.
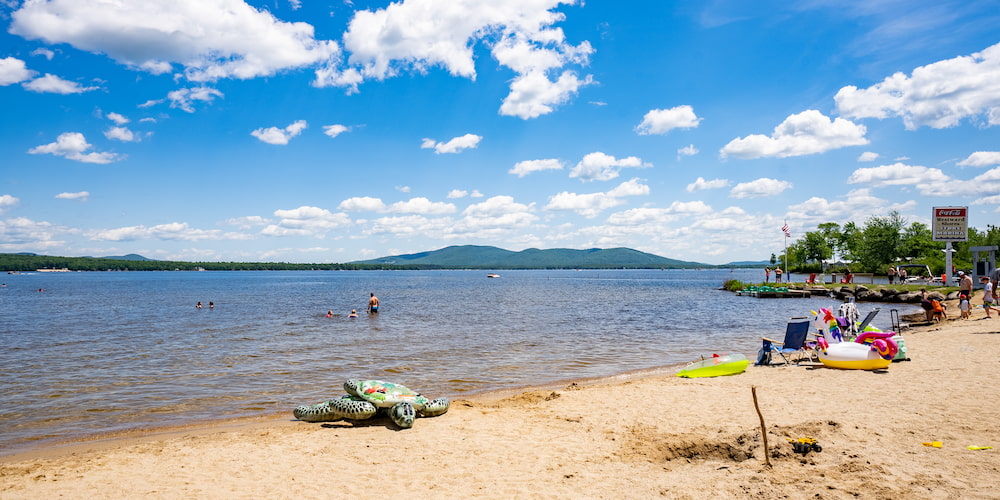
(763, 428)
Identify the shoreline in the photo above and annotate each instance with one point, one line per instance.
(651, 434)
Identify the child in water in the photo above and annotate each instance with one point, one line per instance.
(354, 313)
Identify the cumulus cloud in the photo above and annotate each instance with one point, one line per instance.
(306, 221)
(335, 130)
(455, 145)
(858, 204)
(759, 188)
(184, 99)
(523, 168)
(701, 184)
(362, 204)
(80, 196)
(422, 205)
(73, 146)
(867, 156)
(171, 231)
(121, 134)
(897, 174)
(806, 133)
(279, 136)
(457, 193)
(599, 166)
(417, 35)
(981, 159)
(592, 204)
(22, 234)
(247, 222)
(118, 118)
(687, 151)
(209, 40)
(52, 84)
(13, 70)
(661, 121)
(938, 95)
(7, 201)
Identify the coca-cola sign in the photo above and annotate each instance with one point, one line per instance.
(950, 212)
(950, 224)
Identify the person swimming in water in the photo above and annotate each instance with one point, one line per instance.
(354, 313)
(373, 304)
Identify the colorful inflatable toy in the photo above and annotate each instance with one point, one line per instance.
(872, 350)
(716, 366)
(365, 398)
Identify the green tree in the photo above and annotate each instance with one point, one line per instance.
(918, 242)
(815, 247)
(881, 241)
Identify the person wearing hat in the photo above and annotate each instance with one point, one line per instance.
(964, 284)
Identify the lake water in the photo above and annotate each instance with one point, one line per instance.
(99, 353)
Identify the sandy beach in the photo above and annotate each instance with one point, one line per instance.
(632, 436)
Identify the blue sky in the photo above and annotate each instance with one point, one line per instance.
(333, 131)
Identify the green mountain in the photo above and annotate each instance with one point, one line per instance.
(486, 257)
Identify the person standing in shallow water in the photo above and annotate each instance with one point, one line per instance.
(373, 304)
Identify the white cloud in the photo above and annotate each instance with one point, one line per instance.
(661, 121)
(306, 221)
(248, 221)
(523, 168)
(457, 193)
(121, 134)
(72, 145)
(279, 136)
(21, 234)
(592, 204)
(81, 196)
(362, 204)
(422, 205)
(533, 94)
(603, 167)
(856, 205)
(13, 70)
(808, 132)
(185, 98)
(455, 145)
(938, 95)
(171, 231)
(897, 174)
(497, 205)
(759, 188)
(210, 40)
(52, 84)
(335, 130)
(700, 184)
(119, 119)
(420, 34)
(867, 156)
(402, 189)
(7, 201)
(687, 151)
(981, 159)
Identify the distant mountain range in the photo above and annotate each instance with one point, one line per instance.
(487, 257)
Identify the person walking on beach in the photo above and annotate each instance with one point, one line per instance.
(988, 297)
(964, 284)
(373, 304)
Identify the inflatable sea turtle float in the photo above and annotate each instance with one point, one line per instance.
(365, 398)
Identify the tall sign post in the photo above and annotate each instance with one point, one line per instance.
(950, 224)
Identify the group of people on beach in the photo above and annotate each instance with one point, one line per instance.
(777, 274)
(372, 308)
(894, 272)
(936, 310)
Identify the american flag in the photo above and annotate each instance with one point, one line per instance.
(788, 232)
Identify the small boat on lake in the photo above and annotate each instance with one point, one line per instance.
(493, 275)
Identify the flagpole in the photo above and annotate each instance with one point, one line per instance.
(788, 272)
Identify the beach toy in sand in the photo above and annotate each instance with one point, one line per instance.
(804, 445)
(730, 364)
(934, 444)
(977, 448)
(366, 398)
(870, 351)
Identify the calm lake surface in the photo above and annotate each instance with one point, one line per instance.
(98, 353)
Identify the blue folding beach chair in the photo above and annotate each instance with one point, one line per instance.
(795, 343)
